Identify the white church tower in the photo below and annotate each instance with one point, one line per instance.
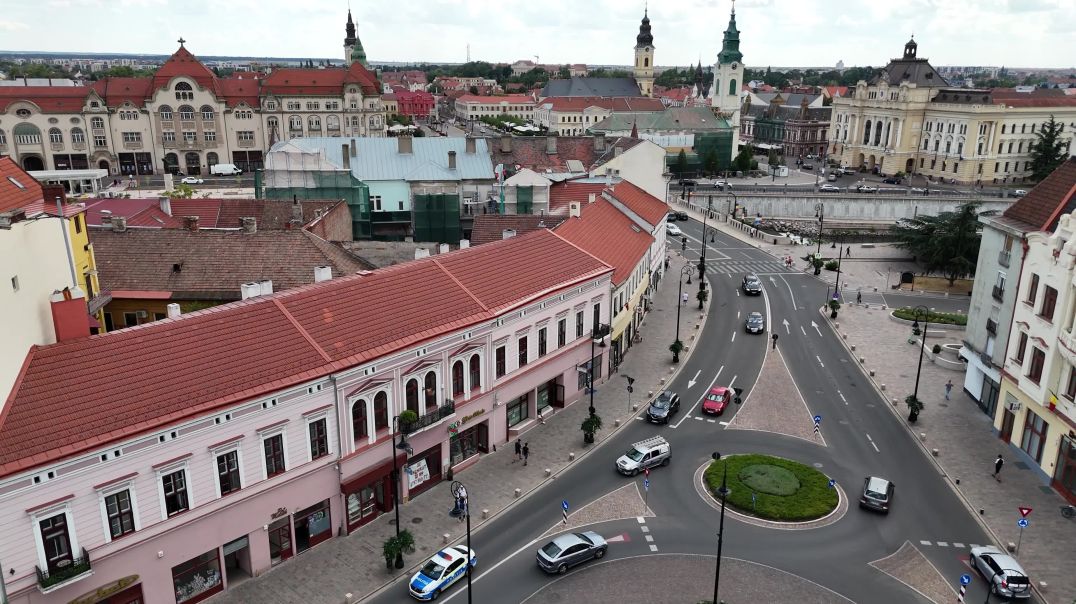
(728, 79)
(644, 57)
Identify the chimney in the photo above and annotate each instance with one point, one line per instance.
(51, 192)
(591, 197)
(465, 243)
(322, 273)
(119, 224)
(442, 248)
(506, 143)
(296, 210)
(573, 209)
(508, 233)
(354, 148)
(266, 286)
(248, 224)
(249, 290)
(403, 145)
(189, 222)
(345, 157)
(421, 252)
(470, 145)
(451, 160)
(70, 315)
(551, 145)
(166, 205)
(617, 151)
(173, 310)
(599, 143)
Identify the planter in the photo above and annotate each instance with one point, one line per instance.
(833, 314)
(588, 437)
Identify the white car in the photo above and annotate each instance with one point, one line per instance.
(1005, 575)
(442, 570)
(672, 229)
(191, 180)
(828, 188)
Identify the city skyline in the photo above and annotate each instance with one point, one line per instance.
(772, 31)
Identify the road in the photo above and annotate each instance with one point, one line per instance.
(863, 437)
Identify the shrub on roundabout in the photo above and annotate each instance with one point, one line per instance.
(785, 490)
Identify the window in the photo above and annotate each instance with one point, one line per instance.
(119, 514)
(476, 371)
(168, 136)
(521, 345)
(313, 105)
(295, 122)
(209, 136)
(376, 201)
(186, 112)
(411, 395)
(431, 391)
(1021, 346)
(457, 378)
(130, 319)
(1035, 429)
(189, 137)
(56, 539)
(1038, 359)
(381, 411)
(132, 137)
(97, 122)
(245, 136)
(319, 438)
(579, 324)
(166, 112)
(198, 578)
(562, 332)
(499, 357)
(517, 411)
(99, 140)
(184, 92)
(294, 106)
(207, 112)
(174, 489)
(55, 136)
(3, 138)
(314, 122)
(358, 421)
(1070, 388)
(1049, 301)
(273, 447)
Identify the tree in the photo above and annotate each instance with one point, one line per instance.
(473, 90)
(743, 158)
(710, 162)
(564, 73)
(774, 161)
(947, 243)
(681, 163)
(1048, 151)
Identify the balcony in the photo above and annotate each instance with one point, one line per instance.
(1004, 257)
(998, 292)
(992, 326)
(429, 419)
(48, 581)
(600, 331)
(1067, 349)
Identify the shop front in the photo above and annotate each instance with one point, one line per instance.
(280, 548)
(370, 494)
(550, 394)
(126, 590)
(423, 471)
(469, 443)
(312, 526)
(1065, 473)
(198, 578)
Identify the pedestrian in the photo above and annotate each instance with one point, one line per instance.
(519, 451)
(775, 341)
(859, 297)
(948, 388)
(683, 299)
(848, 252)
(526, 452)
(997, 467)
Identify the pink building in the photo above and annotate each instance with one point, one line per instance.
(415, 104)
(162, 462)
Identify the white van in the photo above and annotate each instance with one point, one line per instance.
(224, 170)
(643, 455)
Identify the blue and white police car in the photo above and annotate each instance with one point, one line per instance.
(441, 571)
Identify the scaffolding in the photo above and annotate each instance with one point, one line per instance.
(437, 216)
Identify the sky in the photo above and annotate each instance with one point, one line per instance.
(1012, 33)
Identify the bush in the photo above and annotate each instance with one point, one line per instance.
(812, 499)
(936, 349)
(945, 318)
(831, 265)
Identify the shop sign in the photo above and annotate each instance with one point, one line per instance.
(106, 591)
(420, 473)
(454, 426)
(279, 513)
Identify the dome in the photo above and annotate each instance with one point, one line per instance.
(645, 38)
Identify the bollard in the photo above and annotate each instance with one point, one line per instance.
(922, 436)
(862, 360)
(1042, 586)
(635, 407)
(348, 598)
(696, 326)
(485, 513)
(687, 349)
(935, 452)
(844, 336)
(571, 457)
(882, 387)
(1010, 546)
(836, 325)
(884, 307)
(853, 347)
(894, 401)
(548, 472)
(616, 423)
(446, 537)
(662, 380)
(518, 493)
(871, 373)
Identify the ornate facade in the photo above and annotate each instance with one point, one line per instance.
(644, 57)
(728, 77)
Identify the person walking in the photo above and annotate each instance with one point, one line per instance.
(526, 452)
(948, 388)
(519, 451)
(859, 297)
(997, 467)
(774, 341)
(683, 299)
(848, 252)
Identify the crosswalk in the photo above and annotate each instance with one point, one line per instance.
(734, 266)
(954, 544)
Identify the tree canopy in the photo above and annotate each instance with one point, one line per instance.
(947, 244)
(1048, 151)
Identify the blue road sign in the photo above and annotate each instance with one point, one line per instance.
(1022, 523)
(818, 419)
(965, 579)
(564, 504)
(832, 482)
(646, 484)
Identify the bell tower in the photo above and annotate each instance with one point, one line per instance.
(353, 50)
(644, 57)
(728, 79)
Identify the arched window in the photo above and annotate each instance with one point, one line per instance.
(732, 87)
(358, 420)
(165, 112)
(646, 61)
(295, 122)
(332, 122)
(97, 122)
(314, 122)
(867, 133)
(411, 395)
(184, 92)
(77, 135)
(3, 138)
(457, 378)
(476, 371)
(26, 134)
(272, 123)
(55, 136)
(431, 391)
(211, 159)
(207, 112)
(381, 411)
(186, 112)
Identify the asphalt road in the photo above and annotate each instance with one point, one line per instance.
(863, 438)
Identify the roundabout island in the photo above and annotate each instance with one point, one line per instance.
(772, 488)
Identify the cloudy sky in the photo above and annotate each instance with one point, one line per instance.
(1014, 33)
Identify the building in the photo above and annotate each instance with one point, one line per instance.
(328, 218)
(573, 116)
(675, 128)
(522, 66)
(642, 84)
(277, 438)
(795, 125)
(412, 80)
(184, 118)
(388, 101)
(908, 119)
(644, 57)
(417, 104)
(728, 78)
(577, 70)
(495, 227)
(473, 107)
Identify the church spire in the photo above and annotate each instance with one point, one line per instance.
(645, 38)
(730, 44)
(353, 51)
(349, 30)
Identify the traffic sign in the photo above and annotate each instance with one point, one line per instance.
(646, 472)
(1022, 523)
(965, 579)
(564, 504)
(818, 419)
(1024, 512)
(832, 482)
(646, 484)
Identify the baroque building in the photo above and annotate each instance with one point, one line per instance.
(644, 57)
(728, 77)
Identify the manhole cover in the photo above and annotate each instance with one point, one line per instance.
(416, 521)
(943, 404)
(843, 422)
(817, 465)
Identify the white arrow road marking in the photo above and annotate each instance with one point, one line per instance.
(819, 360)
(786, 326)
(691, 382)
(790, 294)
(815, 325)
(689, 411)
(872, 443)
(803, 330)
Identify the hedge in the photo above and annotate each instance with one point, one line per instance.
(947, 318)
(813, 499)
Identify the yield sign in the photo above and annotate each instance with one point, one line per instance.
(1024, 511)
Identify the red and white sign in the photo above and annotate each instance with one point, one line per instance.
(646, 472)
(1024, 511)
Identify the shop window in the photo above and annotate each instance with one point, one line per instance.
(476, 371)
(381, 411)
(358, 421)
(469, 443)
(366, 503)
(319, 438)
(174, 489)
(228, 478)
(312, 526)
(411, 395)
(500, 361)
(431, 391)
(280, 541)
(457, 378)
(517, 411)
(197, 579)
(1035, 429)
(273, 448)
(119, 513)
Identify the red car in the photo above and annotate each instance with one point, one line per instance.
(716, 400)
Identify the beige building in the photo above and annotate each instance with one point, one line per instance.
(908, 119)
(573, 116)
(473, 107)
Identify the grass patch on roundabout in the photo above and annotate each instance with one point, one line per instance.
(784, 490)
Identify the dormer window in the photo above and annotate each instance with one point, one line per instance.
(184, 92)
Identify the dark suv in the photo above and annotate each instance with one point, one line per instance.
(751, 285)
(877, 494)
(664, 406)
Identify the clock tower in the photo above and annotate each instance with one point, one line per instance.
(728, 79)
(644, 57)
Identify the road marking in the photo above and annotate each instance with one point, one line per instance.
(640, 418)
(640, 519)
(653, 548)
(872, 441)
(924, 543)
(815, 325)
(737, 314)
(943, 544)
(724, 423)
(793, 296)
(734, 336)
(691, 382)
(840, 394)
(819, 360)
(958, 545)
(730, 276)
(804, 331)
(699, 418)
(973, 545)
(769, 317)
(786, 327)
(618, 538)
(711, 420)
(644, 528)
(649, 538)
(688, 414)
(494, 567)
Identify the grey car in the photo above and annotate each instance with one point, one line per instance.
(1006, 575)
(877, 494)
(755, 323)
(665, 405)
(570, 549)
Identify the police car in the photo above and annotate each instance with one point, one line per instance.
(441, 571)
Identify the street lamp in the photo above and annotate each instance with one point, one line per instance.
(723, 492)
(837, 283)
(684, 270)
(702, 254)
(820, 214)
(631, 388)
(731, 199)
(463, 504)
(405, 447)
(597, 336)
(924, 313)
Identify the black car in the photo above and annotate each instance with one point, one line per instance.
(664, 406)
(687, 182)
(681, 215)
(752, 285)
(755, 323)
(891, 180)
(672, 217)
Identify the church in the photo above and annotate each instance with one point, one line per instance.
(641, 85)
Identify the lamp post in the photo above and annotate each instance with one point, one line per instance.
(685, 270)
(820, 214)
(401, 446)
(459, 492)
(920, 311)
(723, 492)
(597, 336)
(631, 388)
(837, 283)
(731, 199)
(702, 253)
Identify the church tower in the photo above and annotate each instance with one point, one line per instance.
(352, 45)
(644, 57)
(728, 79)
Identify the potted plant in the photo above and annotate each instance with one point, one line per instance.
(702, 295)
(831, 265)
(407, 417)
(393, 553)
(817, 263)
(936, 349)
(676, 348)
(914, 407)
(834, 306)
(407, 541)
(590, 426)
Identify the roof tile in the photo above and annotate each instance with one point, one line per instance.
(608, 234)
(1048, 200)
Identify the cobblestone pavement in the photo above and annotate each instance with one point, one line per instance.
(353, 564)
(683, 579)
(625, 502)
(776, 405)
(909, 566)
(967, 446)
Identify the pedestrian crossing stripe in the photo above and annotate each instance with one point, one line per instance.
(955, 544)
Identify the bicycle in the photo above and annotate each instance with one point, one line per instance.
(1068, 511)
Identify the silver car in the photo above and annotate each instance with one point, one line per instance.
(1006, 575)
(570, 549)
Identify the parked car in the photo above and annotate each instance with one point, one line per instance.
(877, 494)
(671, 217)
(752, 285)
(891, 180)
(755, 322)
(681, 215)
(722, 185)
(191, 180)
(1002, 571)
(866, 189)
(807, 166)
(918, 190)
(644, 454)
(828, 188)
(847, 171)
(832, 177)
(672, 229)
(442, 570)
(570, 549)
(716, 400)
(1017, 193)
(663, 407)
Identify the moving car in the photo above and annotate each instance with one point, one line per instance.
(664, 406)
(828, 188)
(807, 166)
(442, 570)
(847, 171)
(681, 215)
(570, 549)
(1005, 574)
(891, 180)
(877, 494)
(722, 185)
(832, 177)
(644, 454)
(687, 182)
(866, 189)
(672, 229)
(755, 322)
(671, 217)
(224, 170)
(191, 180)
(1017, 193)
(919, 190)
(716, 400)
(752, 285)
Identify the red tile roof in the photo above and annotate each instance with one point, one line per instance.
(76, 395)
(183, 63)
(51, 99)
(1048, 200)
(292, 81)
(561, 194)
(493, 100)
(1039, 97)
(609, 234)
(530, 152)
(490, 227)
(117, 91)
(648, 207)
(270, 214)
(17, 188)
(579, 103)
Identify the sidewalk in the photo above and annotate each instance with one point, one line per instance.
(354, 564)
